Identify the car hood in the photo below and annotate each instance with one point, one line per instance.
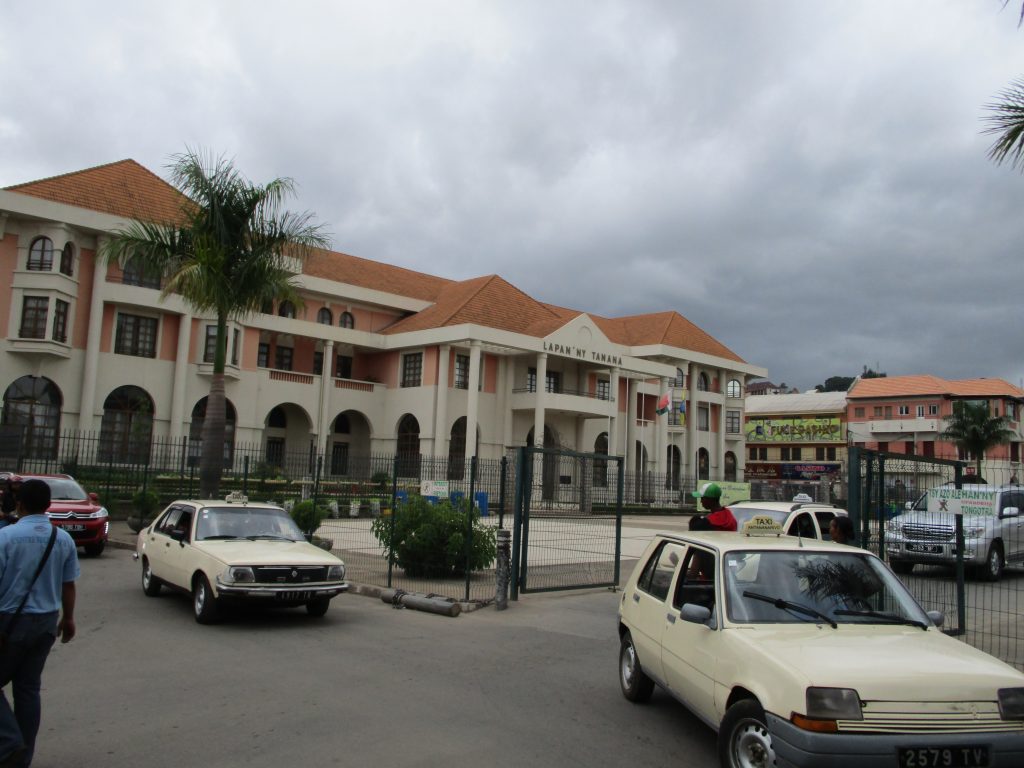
(263, 552)
(64, 506)
(883, 662)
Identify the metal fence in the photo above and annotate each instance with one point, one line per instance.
(955, 578)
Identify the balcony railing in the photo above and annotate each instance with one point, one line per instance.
(291, 377)
(572, 392)
(358, 386)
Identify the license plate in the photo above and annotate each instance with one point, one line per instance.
(300, 596)
(74, 527)
(931, 549)
(941, 757)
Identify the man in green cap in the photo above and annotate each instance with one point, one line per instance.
(718, 518)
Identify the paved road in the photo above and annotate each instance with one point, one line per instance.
(143, 685)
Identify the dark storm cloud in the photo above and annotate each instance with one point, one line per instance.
(806, 181)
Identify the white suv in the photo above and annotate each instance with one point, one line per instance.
(926, 531)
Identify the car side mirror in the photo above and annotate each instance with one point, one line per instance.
(1010, 512)
(178, 536)
(938, 618)
(697, 614)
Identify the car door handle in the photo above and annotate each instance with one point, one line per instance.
(636, 597)
(671, 618)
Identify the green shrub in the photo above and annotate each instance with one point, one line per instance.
(430, 539)
(307, 516)
(145, 502)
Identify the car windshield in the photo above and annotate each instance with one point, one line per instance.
(236, 522)
(64, 489)
(788, 587)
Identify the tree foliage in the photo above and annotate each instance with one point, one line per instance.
(231, 250)
(973, 429)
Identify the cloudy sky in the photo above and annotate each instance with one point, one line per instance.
(805, 180)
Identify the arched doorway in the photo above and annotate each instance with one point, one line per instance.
(32, 406)
(675, 468)
(457, 469)
(703, 464)
(195, 432)
(127, 427)
(408, 448)
(644, 482)
(601, 465)
(549, 465)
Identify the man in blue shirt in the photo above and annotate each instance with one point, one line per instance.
(49, 611)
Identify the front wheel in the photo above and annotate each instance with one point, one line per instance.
(203, 601)
(150, 583)
(318, 607)
(993, 568)
(636, 685)
(743, 739)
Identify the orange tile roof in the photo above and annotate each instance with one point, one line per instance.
(354, 270)
(124, 188)
(915, 386)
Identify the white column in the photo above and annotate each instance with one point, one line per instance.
(326, 384)
(720, 448)
(181, 375)
(473, 400)
(539, 398)
(86, 409)
(613, 419)
(630, 447)
(441, 408)
(509, 364)
(690, 462)
(661, 431)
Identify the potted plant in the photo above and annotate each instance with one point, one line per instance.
(353, 507)
(308, 517)
(144, 504)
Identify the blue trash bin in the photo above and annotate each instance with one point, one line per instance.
(401, 497)
(455, 497)
(480, 499)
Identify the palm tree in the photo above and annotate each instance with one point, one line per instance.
(1007, 123)
(230, 252)
(974, 430)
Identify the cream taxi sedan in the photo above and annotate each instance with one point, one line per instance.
(807, 653)
(232, 550)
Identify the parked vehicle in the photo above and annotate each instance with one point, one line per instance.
(807, 519)
(804, 653)
(925, 533)
(71, 508)
(230, 550)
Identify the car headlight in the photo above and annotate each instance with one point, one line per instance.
(238, 574)
(101, 512)
(827, 705)
(336, 572)
(893, 526)
(1011, 703)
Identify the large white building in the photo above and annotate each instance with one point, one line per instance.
(379, 359)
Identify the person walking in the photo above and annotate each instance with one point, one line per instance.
(38, 570)
(719, 518)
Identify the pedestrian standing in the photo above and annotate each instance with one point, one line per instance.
(718, 518)
(38, 569)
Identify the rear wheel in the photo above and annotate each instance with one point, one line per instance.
(636, 685)
(743, 739)
(203, 601)
(94, 550)
(994, 564)
(318, 607)
(150, 583)
(901, 567)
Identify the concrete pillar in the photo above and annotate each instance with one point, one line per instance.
(631, 415)
(86, 409)
(613, 418)
(326, 385)
(473, 400)
(441, 407)
(661, 432)
(690, 458)
(540, 397)
(180, 384)
(508, 437)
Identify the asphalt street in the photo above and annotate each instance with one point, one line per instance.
(144, 685)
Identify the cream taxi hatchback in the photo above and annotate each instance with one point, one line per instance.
(234, 550)
(810, 653)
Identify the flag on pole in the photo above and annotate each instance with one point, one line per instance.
(663, 404)
(682, 411)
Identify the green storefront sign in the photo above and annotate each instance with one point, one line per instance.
(820, 430)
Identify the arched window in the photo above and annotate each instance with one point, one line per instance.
(195, 431)
(324, 316)
(457, 450)
(703, 383)
(33, 403)
(680, 380)
(730, 466)
(601, 465)
(733, 388)
(346, 320)
(408, 449)
(277, 419)
(127, 427)
(267, 308)
(40, 255)
(286, 309)
(67, 259)
(703, 464)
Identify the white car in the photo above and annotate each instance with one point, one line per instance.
(233, 550)
(807, 519)
(806, 653)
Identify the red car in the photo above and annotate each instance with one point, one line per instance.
(72, 509)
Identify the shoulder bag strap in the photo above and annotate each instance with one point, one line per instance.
(39, 569)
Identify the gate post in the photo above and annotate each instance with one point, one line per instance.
(619, 485)
(502, 572)
(853, 492)
(517, 518)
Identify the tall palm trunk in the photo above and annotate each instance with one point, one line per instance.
(211, 462)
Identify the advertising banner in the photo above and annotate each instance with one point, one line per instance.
(818, 430)
(957, 501)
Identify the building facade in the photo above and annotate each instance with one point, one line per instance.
(377, 359)
(796, 437)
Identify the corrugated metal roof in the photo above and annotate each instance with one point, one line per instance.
(805, 402)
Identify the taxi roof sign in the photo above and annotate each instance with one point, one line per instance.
(236, 497)
(762, 525)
